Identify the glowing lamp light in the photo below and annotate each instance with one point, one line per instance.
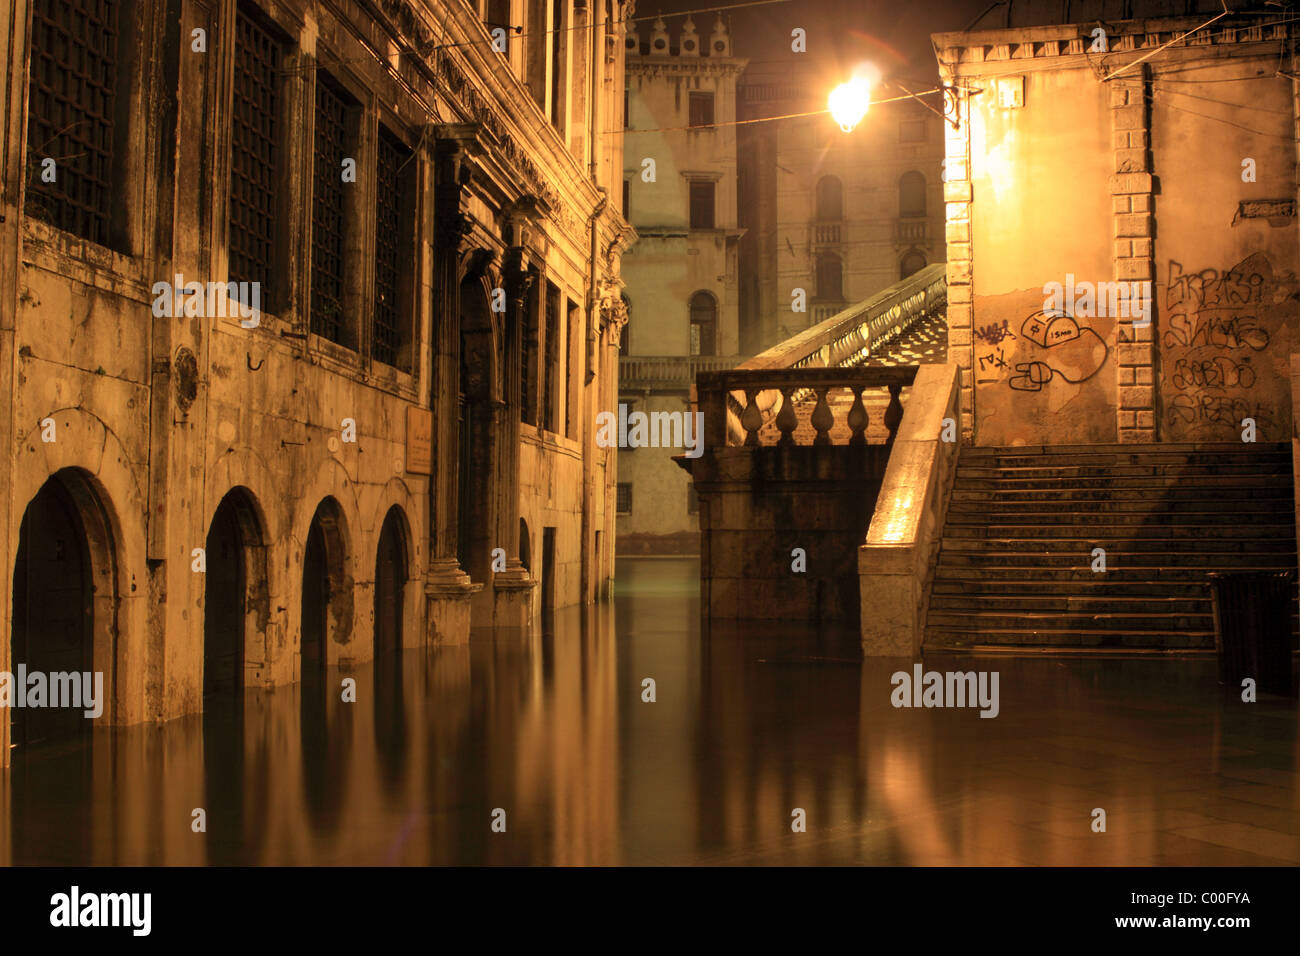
(849, 102)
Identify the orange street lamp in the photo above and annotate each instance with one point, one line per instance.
(849, 102)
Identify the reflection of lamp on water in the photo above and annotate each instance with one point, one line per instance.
(849, 102)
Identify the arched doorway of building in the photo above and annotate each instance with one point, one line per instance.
(53, 609)
(480, 405)
(64, 620)
(390, 582)
(326, 620)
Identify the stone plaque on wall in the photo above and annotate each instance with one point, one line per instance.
(419, 441)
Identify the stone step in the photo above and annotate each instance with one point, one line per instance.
(1118, 575)
(1218, 560)
(1092, 603)
(1103, 452)
(1243, 527)
(1151, 484)
(1047, 587)
(1062, 637)
(1089, 473)
(1069, 621)
(1082, 539)
(1127, 513)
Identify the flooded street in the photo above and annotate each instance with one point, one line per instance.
(747, 727)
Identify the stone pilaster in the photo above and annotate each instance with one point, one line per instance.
(1132, 200)
(957, 198)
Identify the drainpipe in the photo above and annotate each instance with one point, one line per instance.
(588, 436)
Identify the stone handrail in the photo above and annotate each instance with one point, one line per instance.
(896, 563)
(732, 413)
(853, 335)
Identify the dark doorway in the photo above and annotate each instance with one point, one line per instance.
(326, 721)
(390, 579)
(315, 602)
(224, 591)
(390, 709)
(52, 612)
(548, 576)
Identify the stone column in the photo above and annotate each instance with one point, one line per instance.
(1132, 196)
(512, 602)
(447, 588)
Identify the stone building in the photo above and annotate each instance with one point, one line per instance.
(836, 216)
(681, 277)
(308, 315)
(1156, 226)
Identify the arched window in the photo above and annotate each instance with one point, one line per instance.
(912, 263)
(704, 324)
(830, 199)
(830, 277)
(911, 194)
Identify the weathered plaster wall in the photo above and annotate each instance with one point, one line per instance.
(1227, 286)
(1131, 170)
(1041, 211)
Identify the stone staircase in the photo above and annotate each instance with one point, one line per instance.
(1015, 563)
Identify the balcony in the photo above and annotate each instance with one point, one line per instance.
(827, 233)
(908, 231)
(669, 371)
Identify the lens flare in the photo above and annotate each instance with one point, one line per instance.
(849, 102)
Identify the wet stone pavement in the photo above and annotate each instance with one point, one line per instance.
(749, 724)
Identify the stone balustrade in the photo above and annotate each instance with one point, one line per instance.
(739, 405)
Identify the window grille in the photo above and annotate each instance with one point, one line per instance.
(255, 136)
(71, 102)
(328, 213)
(392, 319)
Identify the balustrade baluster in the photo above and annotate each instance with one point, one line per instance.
(751, 419)
(786, 419)
(858, 418)
(894, 413)
(822, 417)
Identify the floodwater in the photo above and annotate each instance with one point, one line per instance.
(749, 726)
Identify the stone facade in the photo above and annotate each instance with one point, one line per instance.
(838, 215)
(681, 277)
(1104, 158)
(198, 502)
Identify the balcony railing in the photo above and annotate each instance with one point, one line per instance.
(827, 233)
(669, 371)
(911, 230)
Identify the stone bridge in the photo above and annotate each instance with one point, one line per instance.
(816, 448)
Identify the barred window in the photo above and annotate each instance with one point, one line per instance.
(623, 502)
(72, 99)
(393, 224)
(255, 135)
(329, 211)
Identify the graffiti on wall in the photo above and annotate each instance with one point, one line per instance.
(1216, 364)
(1051, 346)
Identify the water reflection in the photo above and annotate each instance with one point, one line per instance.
(749, 724)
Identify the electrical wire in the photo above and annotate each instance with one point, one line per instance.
(769, 119)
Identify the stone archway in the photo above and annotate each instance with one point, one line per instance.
(236, 602)
(53, 624)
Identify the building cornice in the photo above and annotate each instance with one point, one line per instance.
(967, 52)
